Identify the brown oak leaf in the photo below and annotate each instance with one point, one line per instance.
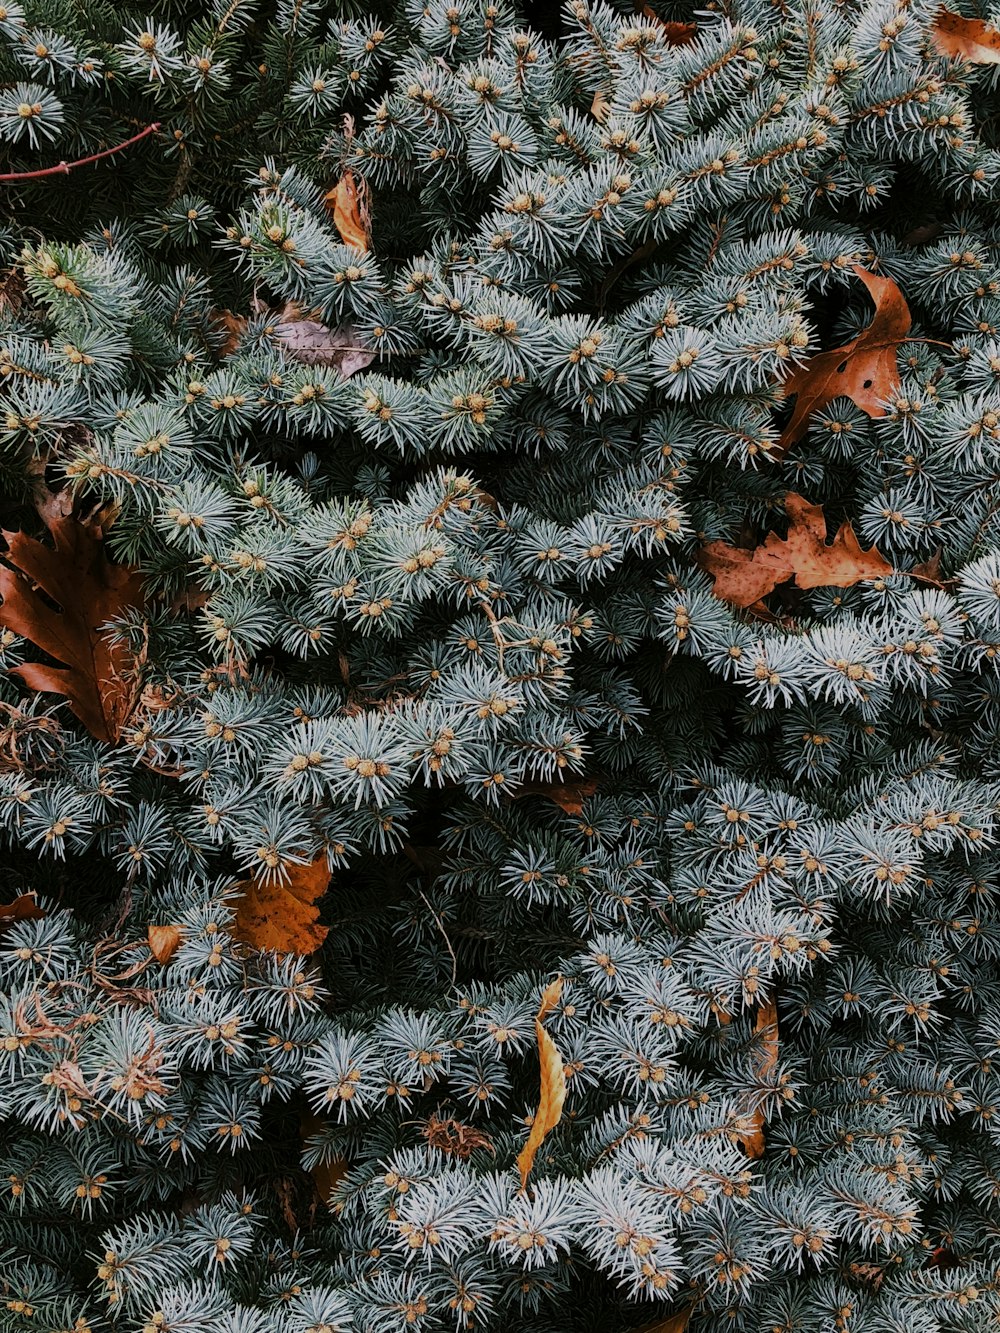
(553, 1084)
(743, 577)
(675, 1323)
(972, 40)
(282, 915)
(99, 679)
(345, 205)
(304, 337)
(863, 370)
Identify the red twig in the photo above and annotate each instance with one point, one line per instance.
(62, 168)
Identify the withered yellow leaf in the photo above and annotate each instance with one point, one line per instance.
(282, 915)
(553, 1087)
(164, 942)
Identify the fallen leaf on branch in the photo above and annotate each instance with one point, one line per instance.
(863, 370)
(972, 40)
(344, 204)
(271, 914)
(24, 908)
(675, 32)
(310, 341)
(675, 1323)
(326, 1175)
(304, 337)
(569, 796)
(751, 1138)
(929, 571)
(553, 1084)
(99, 679)
(600, 106)
(164, 942)
(744, 577)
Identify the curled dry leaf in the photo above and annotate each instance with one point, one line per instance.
(345, 205)
(743, 577)
(600, 106)
(282, 915)
(59, 597)
(164, 942)
(553, 1084)
(863, 370)
(972, 40)
(23, 908)
(751, 1137)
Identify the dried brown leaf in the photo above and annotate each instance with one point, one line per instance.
(271, 914)
(345, 206)
(742, 577)
(675, 32)
(23, 908)
(972, 40)
(164, 942)
(600, 107)
(765, 1027)
(326, 1175)
(569, 796)
(863, 370)
(100, 680)
(553, 1084)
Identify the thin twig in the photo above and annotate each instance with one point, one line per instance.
(444, 936)
(63, 168)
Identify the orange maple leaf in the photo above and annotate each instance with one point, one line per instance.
(344, 205)
(972, 40)
(743, 577)
(271, 914)
(766, 1027)
(100, 679)
(863, 370)
(553, 1084)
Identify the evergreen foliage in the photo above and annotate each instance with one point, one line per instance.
(391, 616)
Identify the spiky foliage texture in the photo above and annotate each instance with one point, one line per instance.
(385, 610)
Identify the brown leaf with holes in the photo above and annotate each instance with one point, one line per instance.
(743, 577)
(553, 1084)
(973, 40)
(569, 796)
(345, 205)
(23, 908)
(675, 32)
(58, 597)
(751, 1136)
(164, 941)
(863, 370)
(282, 915)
